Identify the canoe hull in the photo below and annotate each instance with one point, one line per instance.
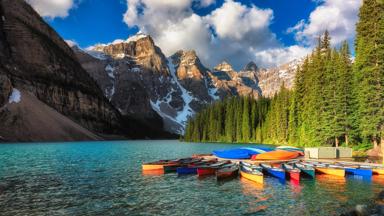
(205, 171)
(294, 175)
(170, 168)
(227, 173)
(360, 172)
(378, 171)
(308, 173)
(331, 171)
(254, 178)
(230, 175)
(186, 170)
(148, 167)
(275, 173)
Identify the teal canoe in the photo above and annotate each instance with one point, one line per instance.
(307, 171)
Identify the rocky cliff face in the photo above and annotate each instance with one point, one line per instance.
(135, 77)
(230, 82)
(36, 59)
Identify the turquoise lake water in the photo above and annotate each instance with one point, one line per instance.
(105, 178)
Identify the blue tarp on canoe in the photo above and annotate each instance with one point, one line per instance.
(241, 153)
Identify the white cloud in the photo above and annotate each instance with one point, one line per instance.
(337, 16)
(52, 8)
(271, 57)
(233, 31)
(234, 20)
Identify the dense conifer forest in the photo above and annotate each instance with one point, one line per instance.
(335, 101)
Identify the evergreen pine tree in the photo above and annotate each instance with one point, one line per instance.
(369, 70)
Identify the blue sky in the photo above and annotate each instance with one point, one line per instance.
(268, 32)
(101, 21)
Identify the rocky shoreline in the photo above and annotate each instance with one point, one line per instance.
(374, 208)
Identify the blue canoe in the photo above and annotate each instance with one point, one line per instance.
(275, 172)
(359, 172)
(241, 153)
(186, 170)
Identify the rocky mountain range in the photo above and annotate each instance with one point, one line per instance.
(139, 80)
(50, 91)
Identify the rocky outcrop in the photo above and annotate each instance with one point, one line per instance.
(230, 82)
(270, 80)
(373, 207)
(194, 78)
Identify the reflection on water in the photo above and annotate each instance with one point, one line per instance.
(257, 196)
(153, 172)
(334, 185)
(105, 178)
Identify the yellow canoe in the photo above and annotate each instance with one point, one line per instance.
(331, 171)
(378, 171)
(254, 178)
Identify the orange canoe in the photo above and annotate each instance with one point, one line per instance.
(158, 165)
(276, 155)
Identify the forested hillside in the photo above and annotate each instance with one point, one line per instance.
(334, 101)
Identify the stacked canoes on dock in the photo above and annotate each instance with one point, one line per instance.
(241, 153)
(277, 155)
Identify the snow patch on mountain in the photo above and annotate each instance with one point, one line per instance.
(109, 92)
(15, 96)
(95, 54)
(183, 115)
(212, 92)
(110, 71)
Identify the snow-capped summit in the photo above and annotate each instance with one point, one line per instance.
(136, 37)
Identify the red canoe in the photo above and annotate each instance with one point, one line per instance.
(294, 173)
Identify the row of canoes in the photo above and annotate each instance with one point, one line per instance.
(255, 172)
(195, 165)
(341, 169)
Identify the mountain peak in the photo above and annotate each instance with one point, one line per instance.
(251, 66)
(137, 37)
(224, 66)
